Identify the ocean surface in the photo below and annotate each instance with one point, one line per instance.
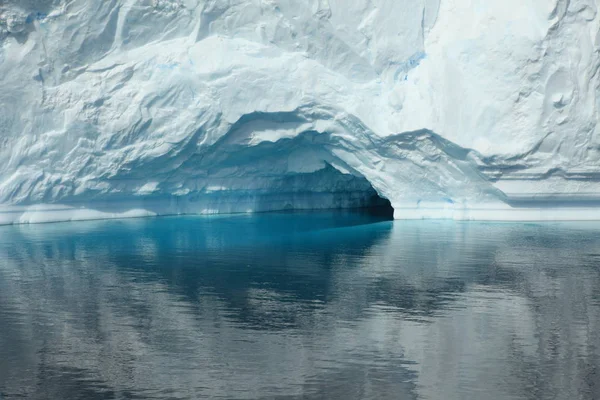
(299, 305)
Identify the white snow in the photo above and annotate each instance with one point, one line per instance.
(464, 109)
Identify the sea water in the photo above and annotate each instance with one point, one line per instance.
(299, 305)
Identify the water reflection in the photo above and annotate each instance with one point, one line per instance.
(299, 306)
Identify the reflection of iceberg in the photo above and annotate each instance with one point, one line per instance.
(513, 306)
(446, 108)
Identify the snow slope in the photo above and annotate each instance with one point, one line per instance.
(465, 109)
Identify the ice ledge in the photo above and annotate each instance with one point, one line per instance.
(500, 213)
(46, 213)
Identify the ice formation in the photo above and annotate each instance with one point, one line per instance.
(465, 109)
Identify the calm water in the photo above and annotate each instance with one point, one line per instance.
(335, 306)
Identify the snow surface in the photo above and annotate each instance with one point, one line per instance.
(465, 109)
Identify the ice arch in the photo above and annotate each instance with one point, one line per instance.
(309, 158)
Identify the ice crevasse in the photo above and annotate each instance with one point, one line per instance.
(463, 109)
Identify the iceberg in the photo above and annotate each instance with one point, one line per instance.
(460, 109)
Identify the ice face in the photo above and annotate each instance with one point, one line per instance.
(465, 109)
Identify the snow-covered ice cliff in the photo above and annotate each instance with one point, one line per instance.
(465, 109)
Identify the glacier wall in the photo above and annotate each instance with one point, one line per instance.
(464, 109)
